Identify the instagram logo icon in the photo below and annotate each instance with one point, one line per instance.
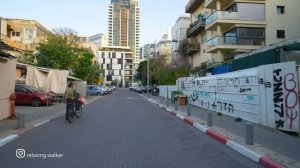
(20, 153)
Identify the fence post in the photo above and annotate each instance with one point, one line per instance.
(176, 106)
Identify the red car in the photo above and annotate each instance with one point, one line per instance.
(31, 95)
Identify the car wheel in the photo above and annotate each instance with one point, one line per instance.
(99, 94)
(36, 102)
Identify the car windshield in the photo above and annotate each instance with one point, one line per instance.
(33, 89)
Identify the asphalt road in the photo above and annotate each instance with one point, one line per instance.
(121, 130)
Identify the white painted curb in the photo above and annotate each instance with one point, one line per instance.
(180, 116)
(243, 150)
(200, 127)
(7, 139)
(41, 123)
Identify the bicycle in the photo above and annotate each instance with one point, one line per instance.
(70, 112)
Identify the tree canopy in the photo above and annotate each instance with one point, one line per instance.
(62, 51)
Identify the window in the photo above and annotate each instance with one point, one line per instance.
(120, 61)
(113, 55)
(29, 33)
(15, 34)
(280, 10)
(280, 33)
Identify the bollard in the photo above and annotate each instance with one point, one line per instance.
(249, 133)
(176, 106)
(167, 103)
(161, 100)
(21, 120)
(188, 109)
(209, 119)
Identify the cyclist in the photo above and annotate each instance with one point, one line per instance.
(71, 97)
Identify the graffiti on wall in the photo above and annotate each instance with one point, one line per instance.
(267, 95)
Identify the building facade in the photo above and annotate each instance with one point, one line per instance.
(124, 25)
(22, 34)
(227, 28)
(147, 51)
(164, 46)
(178, 33)
(117, 64)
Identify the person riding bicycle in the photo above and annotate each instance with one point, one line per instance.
(71, 97)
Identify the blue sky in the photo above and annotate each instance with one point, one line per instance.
(89, 17)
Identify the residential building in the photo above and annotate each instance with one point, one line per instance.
(99, 39)
(124, 26)
(178, 33)
(196, 34)
(164, 47)
(148, 50)
(117, 64)
(22, 34)
(239, 26)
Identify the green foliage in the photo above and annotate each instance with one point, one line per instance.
(114, 82)
(27, 58)
(84, 65)
(61, 51)
(160, 72)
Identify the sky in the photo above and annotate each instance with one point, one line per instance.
(90, 17)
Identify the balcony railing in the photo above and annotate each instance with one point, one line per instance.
(207, 2)
(222, 15)
(193, 5)
(192, 48)
(197, 27)
(234, 40)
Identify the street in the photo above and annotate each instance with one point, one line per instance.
(120, 130)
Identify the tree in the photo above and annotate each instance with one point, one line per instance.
(61, 51)
(58, 50)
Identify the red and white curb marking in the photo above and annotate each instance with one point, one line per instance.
(259, 158)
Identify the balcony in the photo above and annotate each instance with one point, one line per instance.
(196, 28)
(229, 19)
(193, 5)
(209, 4)
(192, 48)
(234, 44)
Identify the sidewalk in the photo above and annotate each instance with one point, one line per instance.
(35, 116)
(277, 145)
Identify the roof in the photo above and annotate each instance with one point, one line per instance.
(4, 48)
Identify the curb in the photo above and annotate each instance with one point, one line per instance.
(257, 157)
(9, 138)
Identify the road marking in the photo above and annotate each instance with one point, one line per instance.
(41, 123)
(7, 139)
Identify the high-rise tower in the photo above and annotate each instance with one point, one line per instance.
(124, 25)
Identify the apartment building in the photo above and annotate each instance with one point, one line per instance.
(124, 25)
(117, 63)
(233, 27)
(22, 34)
(178, 33)
(147, 51)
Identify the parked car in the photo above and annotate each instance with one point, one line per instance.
(95, 90)
(31, 95)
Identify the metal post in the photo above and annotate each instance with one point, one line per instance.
(21, 120)
(161, 100)
(188, 108)
(209, 119)
(148, 76)
(176, 106)
(167, 103)
(249, 133)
